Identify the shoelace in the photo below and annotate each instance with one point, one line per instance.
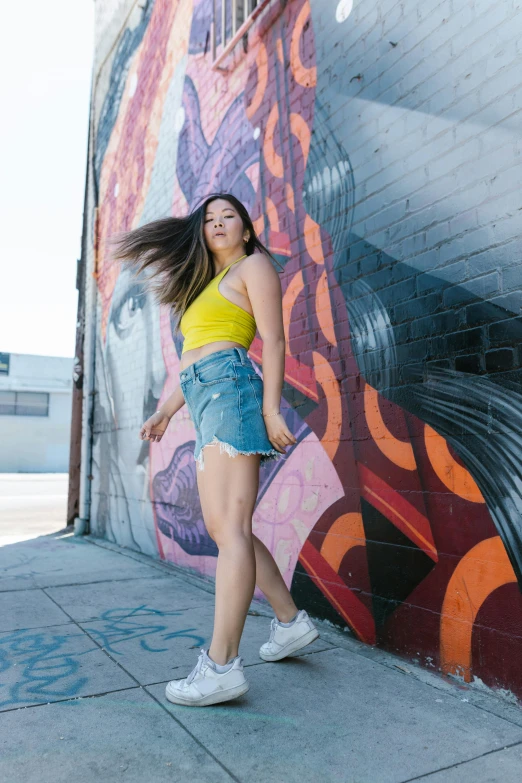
(273, 626)
(197, 668)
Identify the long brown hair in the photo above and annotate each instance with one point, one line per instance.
(173, 253)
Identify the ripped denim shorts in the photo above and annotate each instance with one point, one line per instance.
(224, 395)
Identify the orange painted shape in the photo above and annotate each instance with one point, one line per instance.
(312, 234)
(323, 309)
(299, 128)
(271, 212)
(262, 81)
(306, 77)
(259, 225)
(273, 160)
(455, 477)
(330, 385)
(481, 571)
(346, 532)
(289, 195)
(394, 507)
(279, 48)
(397, 451)
(293, 290)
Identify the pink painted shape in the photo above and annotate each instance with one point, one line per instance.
(306, 485)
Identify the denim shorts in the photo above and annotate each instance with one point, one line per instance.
(224, 395)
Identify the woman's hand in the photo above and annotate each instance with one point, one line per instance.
(278, 433)
(155, 427)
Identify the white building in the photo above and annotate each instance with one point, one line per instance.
(35, 413)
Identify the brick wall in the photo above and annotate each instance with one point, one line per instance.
(377, 150)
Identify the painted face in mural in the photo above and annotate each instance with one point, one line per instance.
(133, 340)
(223, 228)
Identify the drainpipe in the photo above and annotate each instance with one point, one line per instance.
(89, 291)
(75, 450)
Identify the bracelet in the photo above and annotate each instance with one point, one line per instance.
(271, 414)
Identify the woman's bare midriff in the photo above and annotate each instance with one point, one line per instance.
(189, 357)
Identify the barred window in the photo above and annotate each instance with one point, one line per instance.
(13, 403)
(231, 20)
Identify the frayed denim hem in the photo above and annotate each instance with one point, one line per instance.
(233, 452)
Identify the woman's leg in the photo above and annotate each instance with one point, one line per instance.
(271, 583)
(228, 490)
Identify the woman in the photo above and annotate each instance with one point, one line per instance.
(232, 408)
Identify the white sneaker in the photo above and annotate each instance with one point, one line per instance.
(204, 685)
(284, 641)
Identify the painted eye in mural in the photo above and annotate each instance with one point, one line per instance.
(129, 307)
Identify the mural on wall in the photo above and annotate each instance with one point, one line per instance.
(397, 513)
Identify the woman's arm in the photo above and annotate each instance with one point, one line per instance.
(173, 403)
(264, 292)
(273, 372)
(154, 428)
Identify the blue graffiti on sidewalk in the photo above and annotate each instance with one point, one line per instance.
(43, 665)
(120, 628)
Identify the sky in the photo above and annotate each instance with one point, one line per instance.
(45, 76)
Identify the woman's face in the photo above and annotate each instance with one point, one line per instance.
(223, 228)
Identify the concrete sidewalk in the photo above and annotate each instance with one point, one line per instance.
(90, 634)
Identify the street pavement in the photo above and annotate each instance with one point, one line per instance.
(31, 504)
(90, 633)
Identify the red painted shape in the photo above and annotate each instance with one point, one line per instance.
(297, 374)
(279, 242)
(396, 508)
(358, 617)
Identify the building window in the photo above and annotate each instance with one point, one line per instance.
(231, 20)
(13, 403)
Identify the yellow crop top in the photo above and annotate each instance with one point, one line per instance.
(211, 317)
